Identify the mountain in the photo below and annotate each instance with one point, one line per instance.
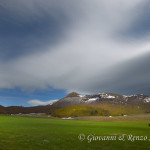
(110, 98)
(88, 102)
(102, 104)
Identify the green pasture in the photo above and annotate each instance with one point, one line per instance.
(23, 133)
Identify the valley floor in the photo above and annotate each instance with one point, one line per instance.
(125, 118)
(26, 133)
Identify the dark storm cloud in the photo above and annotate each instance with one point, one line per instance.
(84, 46)
(128, 77)
(140, 26)
(134, 76)
(23, 32)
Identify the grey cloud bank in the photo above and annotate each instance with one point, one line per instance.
(96, 50)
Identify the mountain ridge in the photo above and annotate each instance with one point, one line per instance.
(138, 100)
(111, 98)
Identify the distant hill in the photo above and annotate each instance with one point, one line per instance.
(25, 110)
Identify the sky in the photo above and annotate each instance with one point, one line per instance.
(49, 48)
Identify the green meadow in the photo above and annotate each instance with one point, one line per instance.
(24, 133)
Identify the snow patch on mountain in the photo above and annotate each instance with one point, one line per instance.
(147, 99)
(81, 95)
(93, 99)
(105, 95)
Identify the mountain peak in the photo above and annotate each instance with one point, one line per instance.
(73, 94)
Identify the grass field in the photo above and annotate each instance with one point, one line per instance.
(23, 133)
(127, 118)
